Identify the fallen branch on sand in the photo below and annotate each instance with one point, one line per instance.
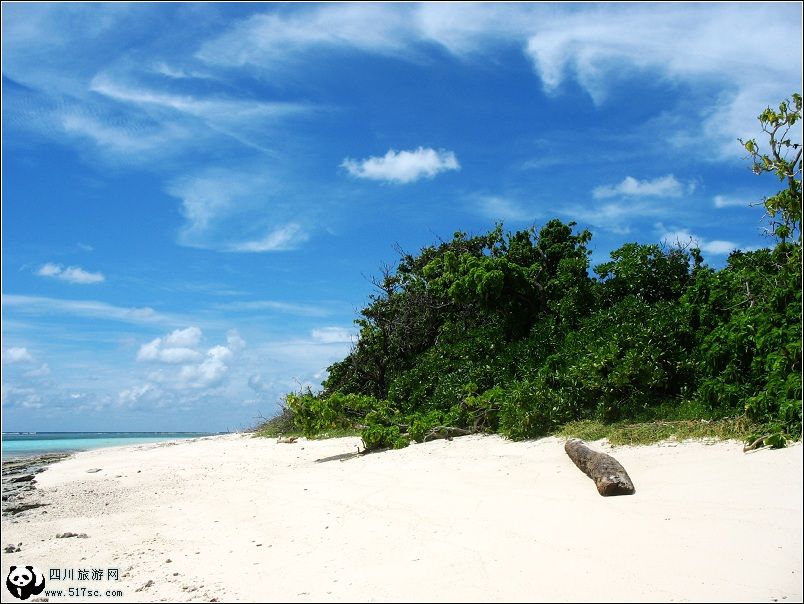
(447, 432)
(760, 442)
(608, 474)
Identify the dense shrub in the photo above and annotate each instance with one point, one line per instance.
(510, 334)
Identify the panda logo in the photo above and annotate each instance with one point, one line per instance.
(25, 581)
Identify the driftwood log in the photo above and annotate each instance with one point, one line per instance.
(608, 474)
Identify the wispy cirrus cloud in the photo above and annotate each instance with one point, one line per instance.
(496, 207)
(290, 308)
(725, 201)
(285, 237)
(272, 40)
(71, 274)
(40, 305)
(402, 167)
(179, 73)
(598, 47)
(237, 210)
(237, 117)
(332, 335)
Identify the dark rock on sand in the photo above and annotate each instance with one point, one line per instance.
(18, 475)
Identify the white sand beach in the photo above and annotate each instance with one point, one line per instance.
(235, 518)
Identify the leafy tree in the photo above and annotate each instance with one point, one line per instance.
(644, 271)
(784, 160)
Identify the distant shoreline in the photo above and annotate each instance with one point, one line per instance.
(23, 444)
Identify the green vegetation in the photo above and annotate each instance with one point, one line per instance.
(643, 433)
(283, 425)
(511, 333)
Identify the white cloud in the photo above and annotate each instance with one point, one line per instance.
(71, 274)
(501, 208)
(214, 110)
(721, 201)
(403, 166)
(332, 335)
(616, 217)
(178, 73)
(198, 369)
(234, 341)
(49, 270)
(125, 138)
(256, 383)
(17, 355)
(607, 43)
(286, 237)
(302, 310)
(40, 305)
(175, 348)
(135, 394)
(41, 371)
(715, 247)
(269, 40)
(664, 186)
(210, 372)
(598, 45)
(184, 337)
(156, 351)
(237, 210)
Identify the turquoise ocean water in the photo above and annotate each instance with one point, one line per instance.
(18, 444)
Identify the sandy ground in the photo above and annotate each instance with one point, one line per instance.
(476, 519)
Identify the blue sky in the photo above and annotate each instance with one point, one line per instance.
(196, 195)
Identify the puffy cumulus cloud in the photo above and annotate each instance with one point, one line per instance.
(71, 274)
(23, 397)
(155, 351)
(210, 372)
(665, 186)
(234, 341)
(184, 337)
(17, 355)
(403, 166)
(175, 348)
(198, 369)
